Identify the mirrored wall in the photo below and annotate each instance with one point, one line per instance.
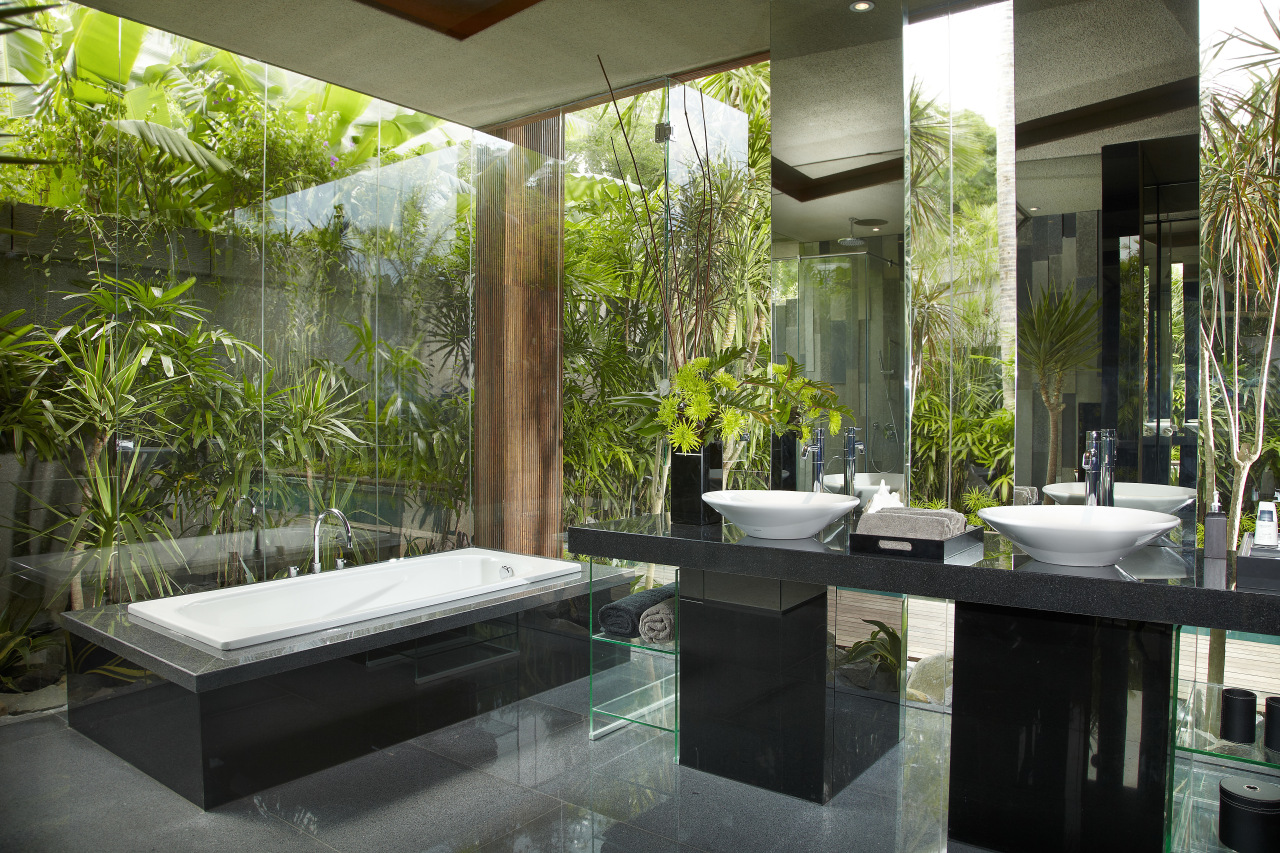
(1042, 200)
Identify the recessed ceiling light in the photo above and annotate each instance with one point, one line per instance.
(1033, 208)
(875, 229)
(862, 6)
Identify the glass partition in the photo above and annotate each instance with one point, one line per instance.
(243, 297)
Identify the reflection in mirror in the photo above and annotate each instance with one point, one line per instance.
(838, 221)
(1107, 246)
(960, 255)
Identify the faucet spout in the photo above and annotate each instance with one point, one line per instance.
(315, 554)
(819, 439)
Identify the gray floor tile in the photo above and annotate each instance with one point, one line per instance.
(574, 696)
(404, 798)
(544, 834)
(11, 732)
(84, 798)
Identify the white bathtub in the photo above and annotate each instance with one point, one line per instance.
(258, 613)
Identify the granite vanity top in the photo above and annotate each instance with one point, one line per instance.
(198, 667)
(1153, 584)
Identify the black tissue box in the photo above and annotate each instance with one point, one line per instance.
(1257, 568)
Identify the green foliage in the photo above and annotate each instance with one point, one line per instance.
(617, 304)
(883, 648)
(17, 645)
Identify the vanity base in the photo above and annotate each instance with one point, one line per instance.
(1060, 731)
(756, 701)
(218, 745)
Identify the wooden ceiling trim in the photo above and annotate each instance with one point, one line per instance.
(1113, 112)
(791, 181)
(449, 21)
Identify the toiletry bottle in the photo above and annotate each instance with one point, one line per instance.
(1215, 546)
(1264, 532)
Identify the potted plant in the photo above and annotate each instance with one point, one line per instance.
(873, 664)
(705, 402)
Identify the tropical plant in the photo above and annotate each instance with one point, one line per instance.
(1056, 335)
(706, 399)
(1240, 209)
(17, 645)
(883, 649)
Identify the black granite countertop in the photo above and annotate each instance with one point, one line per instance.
(198, 667)
(1157, 584)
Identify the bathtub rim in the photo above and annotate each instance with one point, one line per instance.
(137, 611)
(199, 669)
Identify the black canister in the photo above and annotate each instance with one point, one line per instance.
(1239, 715)
(1271, 734)
(1249, 815)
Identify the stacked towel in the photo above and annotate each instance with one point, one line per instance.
(622, 617)
(658, 623)
(913, 523)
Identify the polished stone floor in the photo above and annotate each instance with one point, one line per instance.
(523, 779)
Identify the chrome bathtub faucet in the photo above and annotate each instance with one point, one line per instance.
(315, 554)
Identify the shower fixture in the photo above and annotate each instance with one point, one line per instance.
(857, 243)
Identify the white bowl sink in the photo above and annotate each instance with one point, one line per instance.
(864, 484)
(1150, 496)
(770, 514)
(1078, 535)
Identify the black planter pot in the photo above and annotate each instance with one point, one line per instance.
(782, 462)
(1248, 815)
(1271, 734)
(1239, 715)
(692, 476)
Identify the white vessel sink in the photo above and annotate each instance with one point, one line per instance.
(770, 514)
(1151, 496)
(864, 484)
(1078, 535)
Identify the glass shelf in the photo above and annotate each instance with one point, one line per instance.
(668, 648)
(632, 681)
(622, 693)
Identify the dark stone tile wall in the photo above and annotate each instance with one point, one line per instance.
(1055, 249)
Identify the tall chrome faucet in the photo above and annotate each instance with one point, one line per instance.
(852, 447)
(819, 438)
(315, 559)
(1099, 464)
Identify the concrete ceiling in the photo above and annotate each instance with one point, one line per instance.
(837, 97)
(540, 58)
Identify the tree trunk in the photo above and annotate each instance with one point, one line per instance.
(1053, 403)
(1007, 210)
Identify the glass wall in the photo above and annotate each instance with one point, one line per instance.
(232, 297)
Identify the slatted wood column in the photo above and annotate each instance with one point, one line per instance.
(519, 265)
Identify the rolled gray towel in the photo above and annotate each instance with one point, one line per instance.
(622, 617)
(913, 523)
(658, 623)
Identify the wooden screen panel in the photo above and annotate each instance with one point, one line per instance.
(519, 264)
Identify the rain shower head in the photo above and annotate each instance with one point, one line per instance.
(856, 244)
(851, 241)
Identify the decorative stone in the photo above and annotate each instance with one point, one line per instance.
(53, 696)
(932, 677)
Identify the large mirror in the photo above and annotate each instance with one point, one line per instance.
(839, 223)
(957, 90)
(1108, 245)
